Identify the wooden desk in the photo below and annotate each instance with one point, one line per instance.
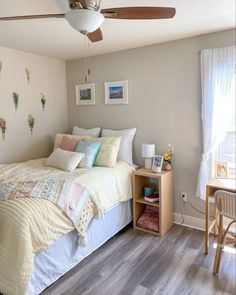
(213, 186)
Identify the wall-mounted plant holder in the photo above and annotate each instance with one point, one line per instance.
(3, 127)
(27, 72)
(31, 123)
(16, 101)
(43, 101)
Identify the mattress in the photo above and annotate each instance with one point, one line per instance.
(65, 253)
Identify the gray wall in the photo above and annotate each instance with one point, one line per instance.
(164, 102)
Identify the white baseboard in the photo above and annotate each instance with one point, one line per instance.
(189, 221)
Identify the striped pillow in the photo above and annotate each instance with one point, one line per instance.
(107, 155)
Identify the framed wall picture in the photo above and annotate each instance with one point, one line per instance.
(85, 94)
(157, 163)
(221, 170)
(116, 92)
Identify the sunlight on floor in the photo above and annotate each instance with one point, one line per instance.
(226, 249)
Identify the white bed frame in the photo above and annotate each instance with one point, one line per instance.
(65, 253)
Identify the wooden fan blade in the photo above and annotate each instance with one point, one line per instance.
(139, 12)
(95, 36)
(22, 17)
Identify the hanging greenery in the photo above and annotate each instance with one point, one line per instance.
(27, 72)
(43, 101)
(16, 100)
(3, 127)
(31, 123)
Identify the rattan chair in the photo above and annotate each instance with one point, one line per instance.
(226, 208)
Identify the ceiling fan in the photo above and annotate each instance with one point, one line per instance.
(85, 17)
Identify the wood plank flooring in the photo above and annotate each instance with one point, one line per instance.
(134, 263)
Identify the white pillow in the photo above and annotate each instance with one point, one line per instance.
(64, 160)
(94, 132)
(126, 146)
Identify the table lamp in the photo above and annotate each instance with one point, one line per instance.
(148, 152)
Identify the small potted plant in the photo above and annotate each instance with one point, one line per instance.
(168, 158)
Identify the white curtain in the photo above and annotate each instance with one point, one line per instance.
(217, 73)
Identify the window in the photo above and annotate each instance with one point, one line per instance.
(218, 112)
(226, 150)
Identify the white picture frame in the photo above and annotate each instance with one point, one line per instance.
(221, 170)
(116, 92)
(157, 163)
(85, 94)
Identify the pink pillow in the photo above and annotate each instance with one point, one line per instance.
(68, 144)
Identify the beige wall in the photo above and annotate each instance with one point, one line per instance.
(164, 101)
(48, 76)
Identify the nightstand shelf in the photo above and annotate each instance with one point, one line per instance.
(163, 182)
(141, 200)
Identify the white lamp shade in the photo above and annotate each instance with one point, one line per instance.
(84, 20)
(148, 150)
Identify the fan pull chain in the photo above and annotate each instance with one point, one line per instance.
(87, 77)
(85, 61)
(89, 66)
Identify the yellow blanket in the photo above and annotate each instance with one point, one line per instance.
(26, 226)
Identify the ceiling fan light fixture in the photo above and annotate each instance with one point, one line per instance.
(83, 20)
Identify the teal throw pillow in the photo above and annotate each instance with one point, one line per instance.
(90, 149)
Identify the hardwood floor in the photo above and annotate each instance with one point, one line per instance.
(134, 263)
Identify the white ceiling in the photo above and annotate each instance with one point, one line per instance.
(55, 37)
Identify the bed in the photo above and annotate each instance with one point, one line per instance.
(110, 186)
(66, 253)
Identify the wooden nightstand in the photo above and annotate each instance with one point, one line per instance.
(163, 182)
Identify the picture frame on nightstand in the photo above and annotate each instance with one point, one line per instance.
(157, 163)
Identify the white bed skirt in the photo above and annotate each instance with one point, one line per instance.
(65, 253)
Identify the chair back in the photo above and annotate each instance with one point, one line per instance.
(226, 203)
